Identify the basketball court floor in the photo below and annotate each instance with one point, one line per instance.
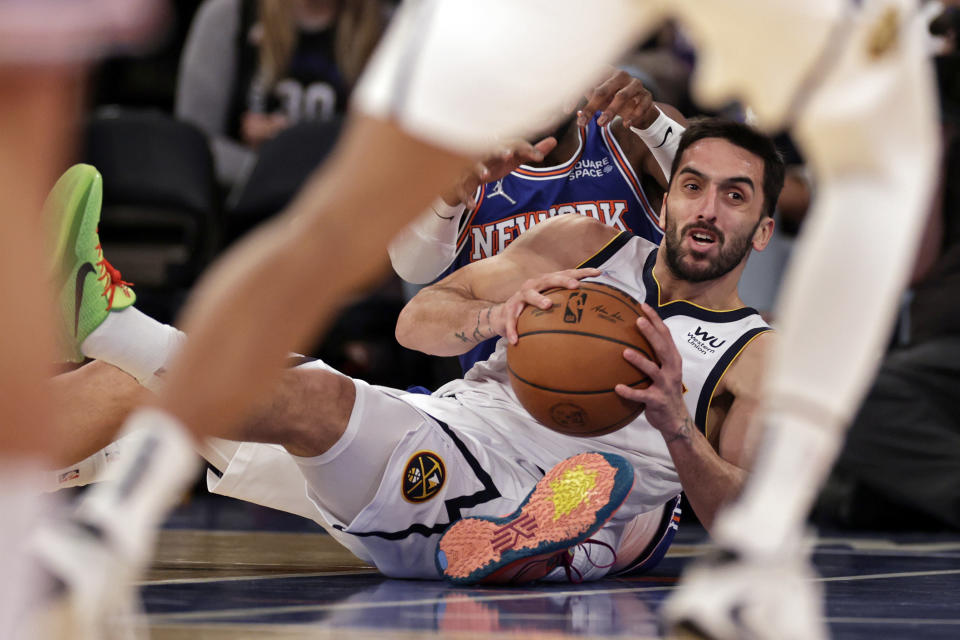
(226, 569)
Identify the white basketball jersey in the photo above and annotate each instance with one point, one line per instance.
(708, 340)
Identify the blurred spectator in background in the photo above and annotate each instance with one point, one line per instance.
(252, 68)
(664, 63)
(945, 25)
(760, 282)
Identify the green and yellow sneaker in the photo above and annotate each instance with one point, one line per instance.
(86, 285)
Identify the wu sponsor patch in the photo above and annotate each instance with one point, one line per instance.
(423, 477)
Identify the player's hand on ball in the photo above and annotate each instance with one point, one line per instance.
(504, 315)
(620, 95)
(665, 409)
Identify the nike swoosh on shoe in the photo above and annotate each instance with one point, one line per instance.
(85, 269)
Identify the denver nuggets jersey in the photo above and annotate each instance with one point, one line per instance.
(596, 181)
(708, 341)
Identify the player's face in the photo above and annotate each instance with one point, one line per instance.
(713, 210)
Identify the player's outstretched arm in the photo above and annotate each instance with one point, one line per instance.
(619, 94)
(710, 476)
(483, 299)
(648, 131)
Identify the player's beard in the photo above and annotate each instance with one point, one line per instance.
(730, 253)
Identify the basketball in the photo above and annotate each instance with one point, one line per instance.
(569, 358)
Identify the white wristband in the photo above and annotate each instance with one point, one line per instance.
(447, 212)
(427, 246)
(662, 138)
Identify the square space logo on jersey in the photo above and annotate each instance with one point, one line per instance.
(590, 168)
(423, 477)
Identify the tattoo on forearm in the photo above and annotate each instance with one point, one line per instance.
(478, 335)
(684, 432)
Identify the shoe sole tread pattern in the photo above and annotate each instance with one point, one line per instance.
(568, 505)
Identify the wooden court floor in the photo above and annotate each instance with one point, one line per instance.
(219, 576)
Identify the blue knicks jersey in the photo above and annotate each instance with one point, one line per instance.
(597, 181)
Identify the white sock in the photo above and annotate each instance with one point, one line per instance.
(794, 457)
(23, 508)
(135, 343)
(94, 468)
(157, 466)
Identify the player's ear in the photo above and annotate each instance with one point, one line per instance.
(662, 222)
(763, 233)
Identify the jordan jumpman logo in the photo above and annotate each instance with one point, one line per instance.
(498, 191)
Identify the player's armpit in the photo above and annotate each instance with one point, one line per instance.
(736, 435)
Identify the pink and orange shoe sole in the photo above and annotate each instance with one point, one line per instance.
(567, 506)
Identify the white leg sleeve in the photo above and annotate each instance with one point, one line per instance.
(870, 133)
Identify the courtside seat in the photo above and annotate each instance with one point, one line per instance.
(160, 198)
(283, 164)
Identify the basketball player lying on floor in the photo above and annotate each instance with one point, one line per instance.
(388, 471)
(601, 166)
(613, 166)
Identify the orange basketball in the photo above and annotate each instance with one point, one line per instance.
(569, 358)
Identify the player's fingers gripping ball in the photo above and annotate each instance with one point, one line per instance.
(569, 358)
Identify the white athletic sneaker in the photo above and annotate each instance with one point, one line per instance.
(726, 596)
(95, 556)
(91, 594)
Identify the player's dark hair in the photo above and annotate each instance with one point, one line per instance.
(745, 137)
